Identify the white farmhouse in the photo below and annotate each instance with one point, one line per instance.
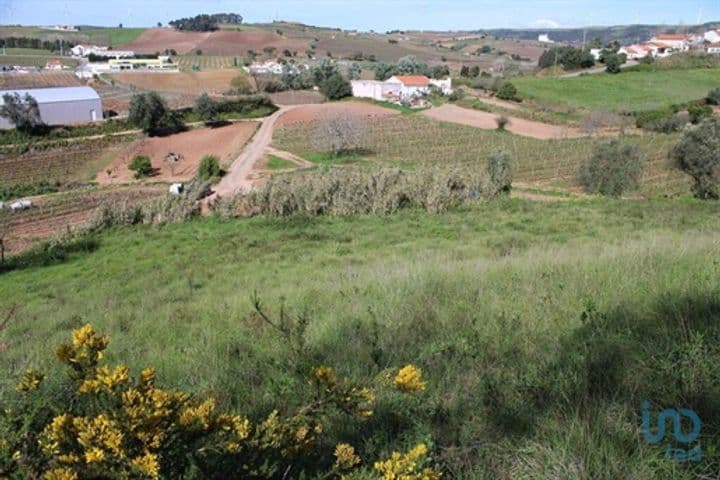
(545, 38)
(678, 42)
(399, 88)
(712, 37)
(87, 50)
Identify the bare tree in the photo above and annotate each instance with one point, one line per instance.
(339, 133)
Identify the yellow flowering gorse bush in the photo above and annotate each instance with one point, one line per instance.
(119, 426)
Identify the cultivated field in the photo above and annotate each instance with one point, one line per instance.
(208, 62)
(628, 91)
(57, 214)
(113, 37)
(310, 113)
(223, 142)
(190, 83)
(35, 60)
(413, 140)
(9, 80)
(74, 162)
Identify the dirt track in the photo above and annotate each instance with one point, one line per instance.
(485, 120)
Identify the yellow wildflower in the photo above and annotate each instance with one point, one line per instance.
(409, 379)
(99, 432)
(147, 378)
(345, 457)
(16, 456)
(325, 375)
(148, 464)
(407, 466)
(200, 415)
(60, 474)
(105, 380)
(232, 447)
(94, 455)
(31, 381)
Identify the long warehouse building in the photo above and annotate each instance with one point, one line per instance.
(61, 106)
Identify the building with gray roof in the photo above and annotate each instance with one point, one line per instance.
(61, 106)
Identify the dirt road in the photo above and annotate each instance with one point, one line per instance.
(485, 120)
(236, 179)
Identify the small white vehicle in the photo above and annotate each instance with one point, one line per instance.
(20, 205)
(177, 188)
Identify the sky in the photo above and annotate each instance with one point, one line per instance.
(378, 15)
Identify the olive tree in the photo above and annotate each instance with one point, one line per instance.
(150, 113)
(23, 112)
(614, 168)
(698, 155)
(206, 108)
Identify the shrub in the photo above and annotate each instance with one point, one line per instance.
(713, 97)
(242, 85)
(209, 168)
(613, 62)
(343, 191)
(102, 421)
(206, 108)
(149, 112)
(508, 91)
(699, 112)
(336, 87)
(698, 155)
(502, 121)
(614, 168)
(500, 171)
(142, 166)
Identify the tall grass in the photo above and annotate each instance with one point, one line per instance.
(540, 327)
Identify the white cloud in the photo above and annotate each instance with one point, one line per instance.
(546, 23)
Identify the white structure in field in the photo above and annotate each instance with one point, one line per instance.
(713, 36)
(61, 106)
(53, 64)
(267, 68)
(636, 52)
(400, 88)
(545, 38)
(676, 41)
(87, 50)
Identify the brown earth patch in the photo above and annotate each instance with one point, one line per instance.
(487, 121)
(222, 42)
(187, 83)
(224, 142)
(309, 113)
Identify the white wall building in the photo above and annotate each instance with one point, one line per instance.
(545, 38)
(400, 88)
(713, 36)
(676, 41)
(87, 50)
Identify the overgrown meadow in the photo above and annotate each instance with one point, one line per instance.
(540, 328)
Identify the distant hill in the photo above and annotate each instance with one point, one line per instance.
(625, 34)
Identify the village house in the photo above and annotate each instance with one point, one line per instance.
(53, 65)
(636, 52)
(400, 88)
(712, 37)
(676, 41)
(267, 68)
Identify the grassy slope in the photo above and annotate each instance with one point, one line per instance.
(626, 91)
(487, 301)
(102, 36)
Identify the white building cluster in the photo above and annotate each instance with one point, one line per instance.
(400, 88)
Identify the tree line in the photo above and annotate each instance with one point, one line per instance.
(36, 43)
(205, 22)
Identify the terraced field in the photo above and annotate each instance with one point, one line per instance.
(412, 140)
(52, 215)
(203, 62)
(45, 79)
(74, 162)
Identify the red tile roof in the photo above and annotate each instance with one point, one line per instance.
(414, 80)
(671, 37)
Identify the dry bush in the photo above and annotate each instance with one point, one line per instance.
(339, 132)
(342, 191)
(168, 209)
(601, 119)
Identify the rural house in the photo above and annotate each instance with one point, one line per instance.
(53, 65)
(61, 106)
(399, 88)
(677, 42)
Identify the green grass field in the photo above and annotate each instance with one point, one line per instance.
(113, 37)
(540, 328)
(629, 91)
